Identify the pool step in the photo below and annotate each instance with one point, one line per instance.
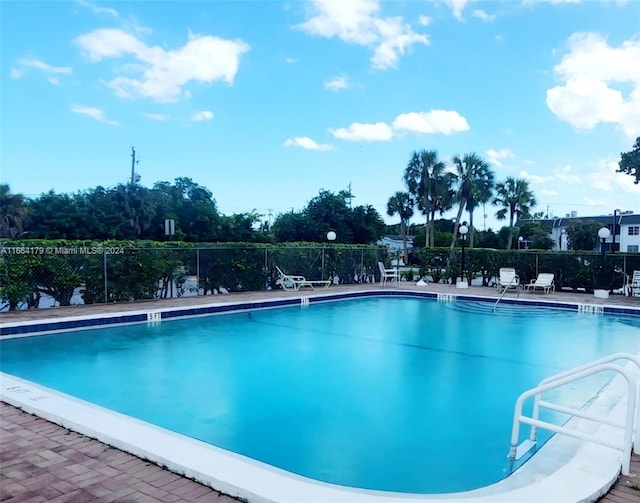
(524, 448)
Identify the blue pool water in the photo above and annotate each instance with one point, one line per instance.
(397, 394)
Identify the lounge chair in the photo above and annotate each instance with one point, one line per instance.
(634, 286)
(507, 279)
(386, 274)
(543, 281)
(293, 283)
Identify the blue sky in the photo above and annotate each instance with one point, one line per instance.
(265, 103)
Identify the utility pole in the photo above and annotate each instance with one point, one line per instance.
(133, 165)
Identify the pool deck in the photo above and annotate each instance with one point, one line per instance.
(40, 461)
(477, 291)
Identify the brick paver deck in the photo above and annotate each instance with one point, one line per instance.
(43, 462)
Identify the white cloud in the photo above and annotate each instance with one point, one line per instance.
(499, 39)
(358, 22)
(445, 122)
(203, 115)
(589, 71)
(157, 117)
(94, 113)
(54, 81)
(535, 178)
(565, 175)
(357, 131)
(306, 143)
(457, 6)
(547, 192)
(528, 161)
(290, 61)
(424, 20)
(606, 178)
(596, 202)
(161, 74)
(16, 73)
(45, 67)
(496, 156)
(480, 14)
(98, 10)
(337, 83)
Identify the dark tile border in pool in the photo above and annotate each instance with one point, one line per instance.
(48, 326)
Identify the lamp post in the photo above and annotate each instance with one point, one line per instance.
(463, 229)
(613, 239)
(603, 234)
(331, 237)
(520, 240)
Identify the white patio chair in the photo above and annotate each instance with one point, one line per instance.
(293, 283)
(507, 279)
(543, 281)
(388, 274)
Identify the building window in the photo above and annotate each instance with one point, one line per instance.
(634, 230)
(632, 248)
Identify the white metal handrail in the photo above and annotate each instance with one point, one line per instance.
(515, 278)
(537, 403)
(574, 376)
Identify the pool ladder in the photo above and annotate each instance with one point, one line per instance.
(631, 424)
(515, 278)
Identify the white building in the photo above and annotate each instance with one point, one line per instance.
(624, 229)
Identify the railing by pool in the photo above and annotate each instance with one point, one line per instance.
(630, 425)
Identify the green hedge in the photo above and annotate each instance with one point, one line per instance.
(573, 270)
(121, 271)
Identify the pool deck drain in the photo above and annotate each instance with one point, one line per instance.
(41, 461)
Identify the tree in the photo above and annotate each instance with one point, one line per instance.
(538, 235)
(480, 194)
(428, 183)
(402, 204)
(630, 162)
(516, 199)
(13, 213)
(293, 226)
(583, 235)
(473, 174)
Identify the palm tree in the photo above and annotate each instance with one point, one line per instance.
(474, 178)
(427, 183)
(402, 204)
(13, 213)
(516, 198)
(480, 194)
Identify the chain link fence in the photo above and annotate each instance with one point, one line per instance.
(41, 277)
(47, 276)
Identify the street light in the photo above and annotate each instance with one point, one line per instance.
(520, 240)
(603, 234)
(463, 236)
(331, 236)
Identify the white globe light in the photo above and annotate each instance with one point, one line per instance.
(463, 229)
(604, 233)
(331, 236)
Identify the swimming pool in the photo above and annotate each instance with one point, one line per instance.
(395, 394)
